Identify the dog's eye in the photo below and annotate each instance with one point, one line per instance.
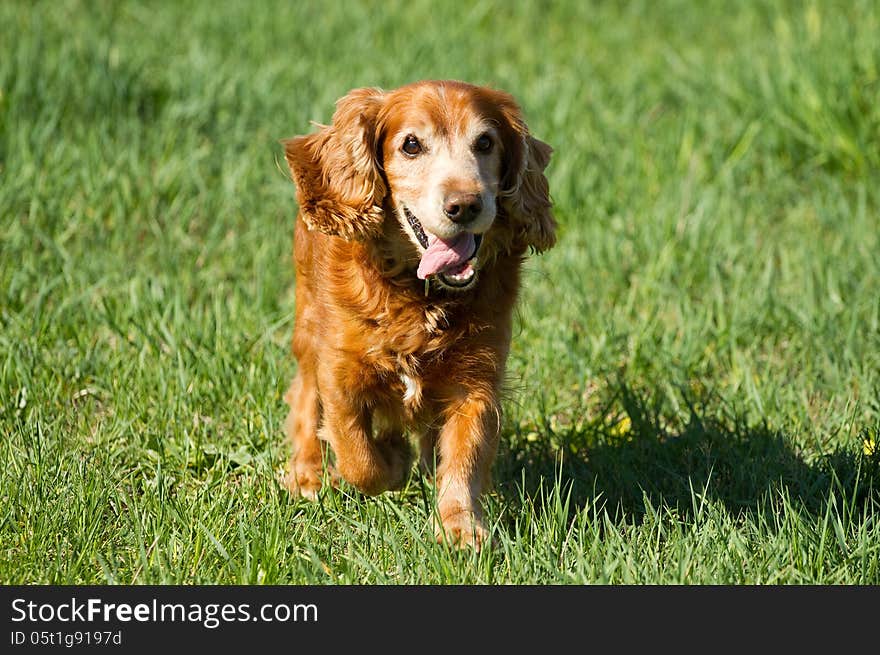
(411, 146)
(483, 143)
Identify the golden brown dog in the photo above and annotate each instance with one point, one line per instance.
(417, 208)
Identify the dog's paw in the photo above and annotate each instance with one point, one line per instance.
(305, 481)
(462, 529)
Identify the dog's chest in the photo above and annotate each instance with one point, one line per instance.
(412, 388)
(410, 384)
(436, 320)
(413, 354)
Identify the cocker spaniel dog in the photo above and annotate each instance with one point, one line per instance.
(417, 208)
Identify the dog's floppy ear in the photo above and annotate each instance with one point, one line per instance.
(338, 184)
(525, 194)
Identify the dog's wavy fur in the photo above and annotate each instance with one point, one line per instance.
(378, 358)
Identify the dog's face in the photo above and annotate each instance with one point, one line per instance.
(442, 156)
(453, 164)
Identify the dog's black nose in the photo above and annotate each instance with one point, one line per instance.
(462, 207)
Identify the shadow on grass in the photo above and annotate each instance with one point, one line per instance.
(735, 463)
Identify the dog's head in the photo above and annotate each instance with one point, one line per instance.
(451, 164)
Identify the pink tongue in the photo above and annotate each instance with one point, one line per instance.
(443, 255)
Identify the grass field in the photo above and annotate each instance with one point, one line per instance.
(695, 377)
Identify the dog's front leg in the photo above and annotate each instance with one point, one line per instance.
(371, 466)
(467, 443)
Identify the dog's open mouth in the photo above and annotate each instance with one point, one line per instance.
(452, 261)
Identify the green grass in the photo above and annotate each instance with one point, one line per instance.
(696, 368)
